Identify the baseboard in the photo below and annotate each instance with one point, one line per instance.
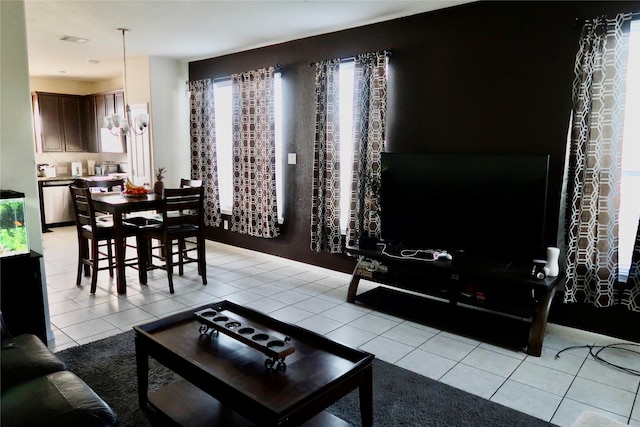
(580, 335)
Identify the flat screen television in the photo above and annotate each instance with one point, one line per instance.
(487, 206)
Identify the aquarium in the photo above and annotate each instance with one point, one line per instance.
(13, 225)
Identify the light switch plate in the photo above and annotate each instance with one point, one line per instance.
(291, 158)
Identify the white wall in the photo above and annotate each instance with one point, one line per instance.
(170, 118)
(138, 89)
(17, 144)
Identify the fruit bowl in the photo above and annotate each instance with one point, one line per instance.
(135, 192)
(134, 195)
(132, 190)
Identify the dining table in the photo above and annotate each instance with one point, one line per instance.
(119, 204)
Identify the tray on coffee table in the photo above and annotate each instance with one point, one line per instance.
(217, 319)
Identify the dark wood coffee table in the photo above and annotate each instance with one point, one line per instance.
(227, 382)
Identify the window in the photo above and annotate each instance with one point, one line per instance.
(346, 140)
(630, 186)
(224, 144)
(109, 143)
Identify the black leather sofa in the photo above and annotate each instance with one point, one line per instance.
(37, 390)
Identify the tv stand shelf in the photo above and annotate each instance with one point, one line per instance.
(466, 282)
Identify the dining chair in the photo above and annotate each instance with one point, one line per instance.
(94, 237)
(184, 182)
(109, 185)
(182, 217)
(98, 186)
(188, 245)
(184, 245)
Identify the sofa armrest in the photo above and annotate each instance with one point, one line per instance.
(57, 399)
(24, 358)
(4, 331)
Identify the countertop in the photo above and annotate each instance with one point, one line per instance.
(86, 178)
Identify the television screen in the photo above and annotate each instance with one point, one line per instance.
(490, 206)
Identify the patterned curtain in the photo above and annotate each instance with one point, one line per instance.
(254, 210)
(594, 163)
(203, 147)
(325, 204)
(370, 108)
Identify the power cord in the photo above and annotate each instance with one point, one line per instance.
(596, 355)
(415, 254)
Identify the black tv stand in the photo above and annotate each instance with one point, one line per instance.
(465, 281)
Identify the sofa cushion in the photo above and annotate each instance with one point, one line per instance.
(24, 358)
(57, 399)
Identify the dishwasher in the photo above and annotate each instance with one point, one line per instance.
(57, 202)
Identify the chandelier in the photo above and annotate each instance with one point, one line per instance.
(122, 125)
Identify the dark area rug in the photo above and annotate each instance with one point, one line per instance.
(401, 397)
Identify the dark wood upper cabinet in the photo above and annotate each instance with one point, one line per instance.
(119, 102)
(101, 105)
(73, 123)
(50, 137)
(109, 103)
(60, 122)
(91, 128)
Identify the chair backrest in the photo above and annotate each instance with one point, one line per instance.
(83, 207)
(109, 184)
(183, 206)
(190, 183)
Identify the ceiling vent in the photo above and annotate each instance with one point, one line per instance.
(73, 39)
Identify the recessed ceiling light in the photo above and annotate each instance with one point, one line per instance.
(73, 39)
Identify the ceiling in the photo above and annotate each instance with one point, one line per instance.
(185, 29)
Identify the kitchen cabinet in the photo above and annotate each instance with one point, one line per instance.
(61, 122)
(108, 103)
(96, 107)
(73, 123)
(91, 128)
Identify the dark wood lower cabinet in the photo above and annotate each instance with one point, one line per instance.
(21, 297)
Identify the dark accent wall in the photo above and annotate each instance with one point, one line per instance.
(485, 77)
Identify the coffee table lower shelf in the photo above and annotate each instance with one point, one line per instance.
(203, 410)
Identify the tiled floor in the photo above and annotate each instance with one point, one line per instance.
(555, 390)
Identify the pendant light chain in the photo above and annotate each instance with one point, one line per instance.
(125, 122)
(124, 61)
